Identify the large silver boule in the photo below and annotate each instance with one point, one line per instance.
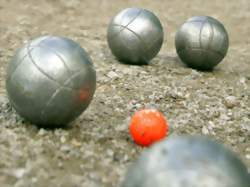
(202, 42)
(187, 162)
(135, 36)
(50, 81)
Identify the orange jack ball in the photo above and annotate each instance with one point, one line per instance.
(148, 126)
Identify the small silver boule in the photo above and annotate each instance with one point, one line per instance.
(202, 42)
(135, 36)
(187, 161)
(50, 81)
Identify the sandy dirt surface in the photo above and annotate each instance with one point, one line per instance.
(96, 149)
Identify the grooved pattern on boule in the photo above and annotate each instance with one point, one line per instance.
(50, 86)
(23, 58)
(141, 24)
(205, 55)
(126, 26)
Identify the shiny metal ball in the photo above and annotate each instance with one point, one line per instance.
(50, 81)
(190, 162)
(202, 42)
(135, 36)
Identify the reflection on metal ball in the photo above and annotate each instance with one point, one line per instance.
(202, 42)
(187, 161)
(50, 81)
(135, 36)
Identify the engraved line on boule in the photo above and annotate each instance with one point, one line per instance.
(139, 38)
(201, 29)
(190, 48)
(48, 76)
(57, 91)
(211, 36)
(137, 35)
(111, 37)
(196, 49)
(21, 61)
(193, 48)
(137, 15)
(61, 87)
(124, 27)
(200, 39)
(59, 56)
(225, 38)
(40, 69)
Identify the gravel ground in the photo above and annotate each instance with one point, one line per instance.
(96, 149)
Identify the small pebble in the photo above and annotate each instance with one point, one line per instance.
(205, 130)
(231, 102)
